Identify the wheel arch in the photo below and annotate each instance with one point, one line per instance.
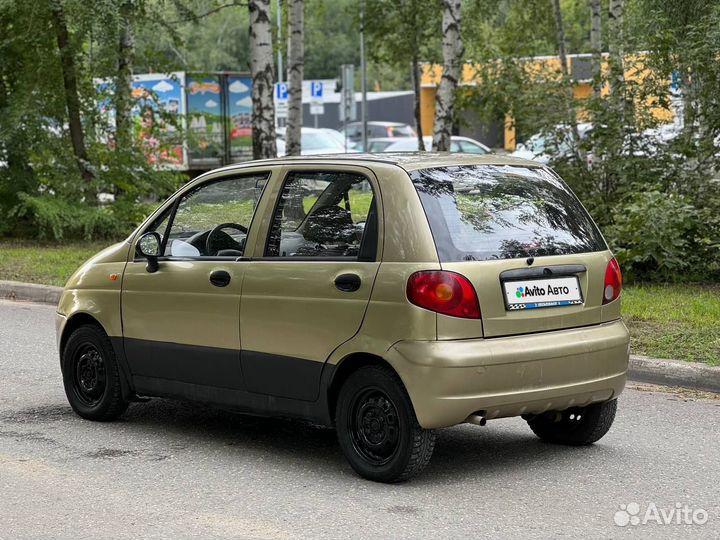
(83, 318)
(75, 321)
(346, 367)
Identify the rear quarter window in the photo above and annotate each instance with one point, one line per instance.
(486, 212)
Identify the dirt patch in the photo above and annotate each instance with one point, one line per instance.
(686, 394)
(110, 453)
(29, 436)
(43, 413)
(403, 509)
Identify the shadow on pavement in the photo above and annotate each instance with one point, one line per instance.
(464, 452)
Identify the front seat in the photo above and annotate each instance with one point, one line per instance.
(329, 225)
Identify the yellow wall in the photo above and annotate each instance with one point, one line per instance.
(427, 108)
(431, 74)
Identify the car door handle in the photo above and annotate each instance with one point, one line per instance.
(348, 282)
(220, 278)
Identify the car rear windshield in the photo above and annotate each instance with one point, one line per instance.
(484, 212)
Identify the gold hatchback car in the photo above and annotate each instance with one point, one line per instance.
(384, 295)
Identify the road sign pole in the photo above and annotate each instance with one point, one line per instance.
(347, 96)
(280, 74)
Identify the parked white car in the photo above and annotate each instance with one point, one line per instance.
(410, 144)
(339, 137)
(314, 142)
(545, 147)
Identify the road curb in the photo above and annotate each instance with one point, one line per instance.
(674, 373)
(31, 292)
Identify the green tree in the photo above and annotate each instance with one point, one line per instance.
(402, 33)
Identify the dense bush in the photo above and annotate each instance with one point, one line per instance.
(56, 204)
(658, 235)
(50, 187)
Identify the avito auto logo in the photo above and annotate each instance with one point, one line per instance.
(536, 290)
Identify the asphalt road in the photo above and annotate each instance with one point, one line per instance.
(174, 470)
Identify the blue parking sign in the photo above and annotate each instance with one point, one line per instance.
(316, 89)
(281, 91)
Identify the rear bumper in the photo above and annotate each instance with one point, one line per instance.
(528, 374)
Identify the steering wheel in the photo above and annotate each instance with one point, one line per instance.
(211, 237)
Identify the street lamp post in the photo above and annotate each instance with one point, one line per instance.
(363, 77)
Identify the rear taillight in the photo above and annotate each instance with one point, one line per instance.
(444, 292)
(613, 282)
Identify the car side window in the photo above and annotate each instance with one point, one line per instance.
(213, 219)
(324, 214)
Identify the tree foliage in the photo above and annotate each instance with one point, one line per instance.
(656, 199)
(50, 187)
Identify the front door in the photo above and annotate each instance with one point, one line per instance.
(181, 323)
(306, 291)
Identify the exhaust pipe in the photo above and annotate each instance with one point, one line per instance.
(477, 419)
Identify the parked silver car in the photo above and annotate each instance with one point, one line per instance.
(410, 144)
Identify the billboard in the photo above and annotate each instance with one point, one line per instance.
(239, 97)
(205, 119)
(158, 118)
(186, 120)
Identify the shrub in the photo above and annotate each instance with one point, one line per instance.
(656, 235)
(49, 217)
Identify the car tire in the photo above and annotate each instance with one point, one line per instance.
(577, 426)
(91, 375)
(377, 427)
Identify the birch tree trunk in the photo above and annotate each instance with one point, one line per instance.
(615, 48)
(123, 80)
(296, 59)
(616, 100)
(415, 71)
(596, 45)
(72, 99)
(452, 66)
(567, 81)
(261, 71)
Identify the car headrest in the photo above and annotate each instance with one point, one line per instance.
(329, 225)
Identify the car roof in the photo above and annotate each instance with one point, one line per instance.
(409, 161)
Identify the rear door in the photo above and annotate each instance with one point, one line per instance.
(535, 257)
(306, 290)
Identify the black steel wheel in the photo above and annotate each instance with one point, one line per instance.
(374, 428)
(377, 427)
(91, 376)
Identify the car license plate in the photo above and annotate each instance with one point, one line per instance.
(542, 293)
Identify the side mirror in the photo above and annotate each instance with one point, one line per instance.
(149, 247)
